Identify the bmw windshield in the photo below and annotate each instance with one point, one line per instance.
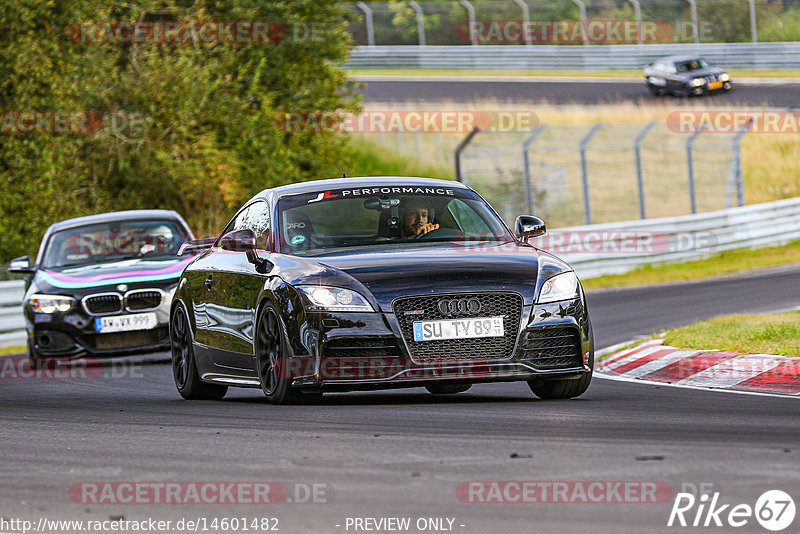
(381, 216)
(113, 241)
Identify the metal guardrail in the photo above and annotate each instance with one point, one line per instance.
(624, 246)
(784, 55)
(627, 245)
(12, 323)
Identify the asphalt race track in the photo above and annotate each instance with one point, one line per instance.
(783, 95)
(405, 453)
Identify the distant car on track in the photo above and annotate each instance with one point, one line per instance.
(370, 283)
(684, 76)
(102, 285)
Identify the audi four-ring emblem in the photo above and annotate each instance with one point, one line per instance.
(459, 306)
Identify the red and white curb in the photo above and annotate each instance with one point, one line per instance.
(655, 362)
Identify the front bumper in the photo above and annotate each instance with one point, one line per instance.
(73, 334)
(351, 351)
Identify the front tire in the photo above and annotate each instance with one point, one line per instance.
(567, 388)
(272, 361)
(184, 367)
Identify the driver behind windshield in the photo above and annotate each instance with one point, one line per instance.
(415, 217)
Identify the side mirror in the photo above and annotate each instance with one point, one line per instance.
(245, 241)
(21, 265)
(528, 226)
(238, 241)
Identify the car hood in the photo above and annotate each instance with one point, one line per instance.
(443, 268)
(132, 272)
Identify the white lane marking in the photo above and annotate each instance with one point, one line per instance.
(729, 373)
(599, 353)
(634, 357)
(619, 378)
(661, 362)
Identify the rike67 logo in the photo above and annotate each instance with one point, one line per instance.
(774, 510)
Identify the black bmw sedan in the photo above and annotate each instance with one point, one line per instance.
(102, 285)
(369, 283)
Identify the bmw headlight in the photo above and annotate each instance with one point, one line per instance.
(319, 298)
(697, 82)
(724, 77)
(50, 303)
(562, 286)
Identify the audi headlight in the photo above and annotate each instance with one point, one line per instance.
(50, 303)
(724, 77)
(320, 298)
(697, 82)
(562, 286)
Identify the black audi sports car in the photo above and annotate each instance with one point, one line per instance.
(684, 76)
(368, 283)
(102, 284)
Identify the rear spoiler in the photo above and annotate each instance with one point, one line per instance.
(195, 246)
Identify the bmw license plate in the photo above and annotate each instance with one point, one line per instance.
(458, 328)
(714, 85)
(125, 323)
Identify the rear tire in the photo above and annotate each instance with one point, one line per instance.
(272, 356)
(184, 367)
(447, 389)
(567, 388)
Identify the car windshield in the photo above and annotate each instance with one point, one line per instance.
(694, 64)
(113, 241)
(322, 221)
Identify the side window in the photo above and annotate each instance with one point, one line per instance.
(256, 218)
(238, 222)
(466, 218)
(258, 221)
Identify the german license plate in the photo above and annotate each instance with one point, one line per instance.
(125, 323)
(714, 85)
(471, 327)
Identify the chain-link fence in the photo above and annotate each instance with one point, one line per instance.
(515, 22)
(597, 173)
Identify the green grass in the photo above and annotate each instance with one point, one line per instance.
(12, 350)
(723, 263)
(370, 159)
(757, 334)
(740, 73)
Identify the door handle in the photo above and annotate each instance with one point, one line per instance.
(209, 282)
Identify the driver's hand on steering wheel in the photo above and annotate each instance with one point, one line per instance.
(424, 228)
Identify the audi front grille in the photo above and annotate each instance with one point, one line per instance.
(460, 306)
